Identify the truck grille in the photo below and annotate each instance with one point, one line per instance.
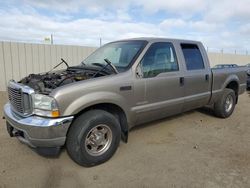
(19, 100)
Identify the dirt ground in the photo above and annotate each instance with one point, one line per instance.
(194, 149)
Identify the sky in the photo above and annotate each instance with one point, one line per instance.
(219, 24)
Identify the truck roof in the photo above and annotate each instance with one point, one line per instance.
(157, 39)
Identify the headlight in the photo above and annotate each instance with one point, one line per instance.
(45, 106)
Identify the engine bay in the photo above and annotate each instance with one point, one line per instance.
(44, 83)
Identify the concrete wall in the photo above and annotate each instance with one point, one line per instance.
(20, 59)
(219, 58)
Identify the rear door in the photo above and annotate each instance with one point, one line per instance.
(197, 76)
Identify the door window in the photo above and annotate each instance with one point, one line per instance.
(193, 57)
(159, 58)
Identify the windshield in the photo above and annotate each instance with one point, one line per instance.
(120, 54)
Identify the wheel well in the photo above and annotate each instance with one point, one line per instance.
(234, 86)
(117, 111)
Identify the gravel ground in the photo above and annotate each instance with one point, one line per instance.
(194, 149)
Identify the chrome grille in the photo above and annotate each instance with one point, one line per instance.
(16, 99)
(20, 100)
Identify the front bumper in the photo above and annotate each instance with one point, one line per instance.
(38, 131)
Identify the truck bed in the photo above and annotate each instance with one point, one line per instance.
(222, 77)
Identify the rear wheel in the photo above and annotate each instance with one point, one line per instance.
(225, 106)
(93, 138)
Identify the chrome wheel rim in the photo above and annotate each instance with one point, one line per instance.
(98, 140)
(229, 103)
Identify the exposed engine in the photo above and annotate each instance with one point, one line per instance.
(44, 83)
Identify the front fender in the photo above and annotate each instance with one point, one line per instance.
(94, 98)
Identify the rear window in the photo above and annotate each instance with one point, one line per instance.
(193, 57)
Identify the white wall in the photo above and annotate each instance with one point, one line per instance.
(20, 59)
(219, 58)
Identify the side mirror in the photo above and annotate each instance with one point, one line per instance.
(138, 71)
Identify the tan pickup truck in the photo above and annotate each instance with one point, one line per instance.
(89, 108)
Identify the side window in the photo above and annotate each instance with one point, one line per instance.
(159, 58)
(193, 57)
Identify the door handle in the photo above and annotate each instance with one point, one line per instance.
(181, 81)
(207, 77)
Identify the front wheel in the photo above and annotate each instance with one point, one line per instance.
(224, 107)
(93, 138)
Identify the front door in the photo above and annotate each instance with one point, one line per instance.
(163, 90)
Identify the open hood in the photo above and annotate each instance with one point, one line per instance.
(45, 82)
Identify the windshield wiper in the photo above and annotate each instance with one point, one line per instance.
(83, 63)
(98, 64)
(111, 65)
(104, 67)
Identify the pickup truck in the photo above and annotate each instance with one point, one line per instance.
(248, 77)
(91, 107)
(224, 66)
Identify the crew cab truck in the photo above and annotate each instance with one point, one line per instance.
(91, 107)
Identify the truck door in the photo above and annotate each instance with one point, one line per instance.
(196, 78)
(163, 90)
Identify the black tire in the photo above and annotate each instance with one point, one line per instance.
(220, 105)
(79, 131)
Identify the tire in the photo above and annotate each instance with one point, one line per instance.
(222, 108)
(87, 131)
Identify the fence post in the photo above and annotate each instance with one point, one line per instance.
(51, 39)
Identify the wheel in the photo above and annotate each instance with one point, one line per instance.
(93, 138)
(225, 106)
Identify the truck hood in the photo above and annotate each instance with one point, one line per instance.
(44, 83)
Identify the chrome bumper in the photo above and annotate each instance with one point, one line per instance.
(38, 131)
